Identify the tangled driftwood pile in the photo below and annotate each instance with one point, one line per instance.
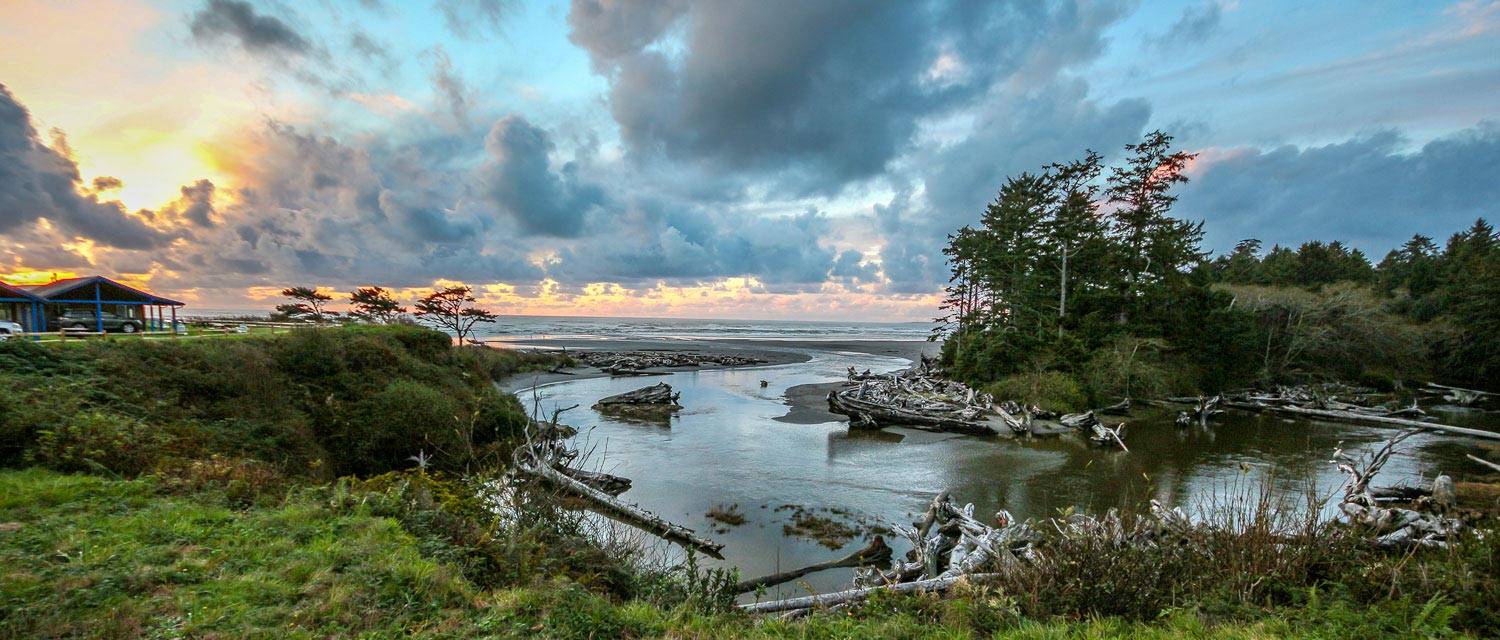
(642, 362)
(913, 398)
(919, 399)
(1395, 527)
(949, 545)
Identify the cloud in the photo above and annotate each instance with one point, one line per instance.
(107, 183)
(197, 204)
(237, 21)
(373, 51)
(472, 19)
(520, 181)
(1013, 132)
(813, 94)
(38, 182)
(1369, 190)
(1195, 26)
(449, 85)
(652, 240)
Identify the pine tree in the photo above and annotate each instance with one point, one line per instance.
(1152, 245)
(1075, 233)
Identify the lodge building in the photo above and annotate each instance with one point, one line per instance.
(38, 308)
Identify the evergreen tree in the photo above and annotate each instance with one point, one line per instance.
(1154, 248)
(1242, 265)
(1075, 241)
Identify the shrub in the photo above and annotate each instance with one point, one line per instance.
(406, 417)
(1131, 367)
(95, 441)
(1051, 390)
(311, 402)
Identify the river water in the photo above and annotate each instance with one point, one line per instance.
(726, 447)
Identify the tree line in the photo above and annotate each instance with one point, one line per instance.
(1079, 276)
(448, 308)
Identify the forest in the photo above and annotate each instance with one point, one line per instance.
(1079, 285)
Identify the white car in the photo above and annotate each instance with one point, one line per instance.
(8, 329)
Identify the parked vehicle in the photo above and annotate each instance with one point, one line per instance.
(8, 329)
(85, 319)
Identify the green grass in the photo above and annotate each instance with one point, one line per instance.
(84, 556)
(103, 558)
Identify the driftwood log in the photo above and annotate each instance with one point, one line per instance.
(1348, 416)
(1203, 409)
(1458, 395)
(876, 552)
(544, 457)
(934, 585)
(610, 484)
(1487, 463)
(657, 394)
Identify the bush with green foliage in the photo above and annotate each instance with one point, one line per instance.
(99, 441)
(315, 402)
(1054, 390)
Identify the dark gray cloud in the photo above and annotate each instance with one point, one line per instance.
(815, 93)
(1195, 26)
(37, 181)
(107, 183)
(197, 203)
(474, 19)
(1372, 191)
(519, 179)
(237, 21)
(850, 267)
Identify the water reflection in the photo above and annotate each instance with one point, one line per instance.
(726, 447)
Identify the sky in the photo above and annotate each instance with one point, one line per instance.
(765, 159)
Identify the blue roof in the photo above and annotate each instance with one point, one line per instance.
(57, 290)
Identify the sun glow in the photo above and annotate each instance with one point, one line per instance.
(28, 277)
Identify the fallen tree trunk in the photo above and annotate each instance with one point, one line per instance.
(1346, 416)
(613, 508)
(935, 585)
(875, 552)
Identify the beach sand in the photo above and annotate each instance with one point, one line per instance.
(806, 403)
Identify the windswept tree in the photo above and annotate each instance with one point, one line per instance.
(452, 308)
(307, 303)
(375, 304)
(1155, 247)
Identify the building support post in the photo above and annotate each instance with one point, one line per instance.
(98, 308)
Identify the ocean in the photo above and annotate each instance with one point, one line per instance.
(579, 327)
(604, 328)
